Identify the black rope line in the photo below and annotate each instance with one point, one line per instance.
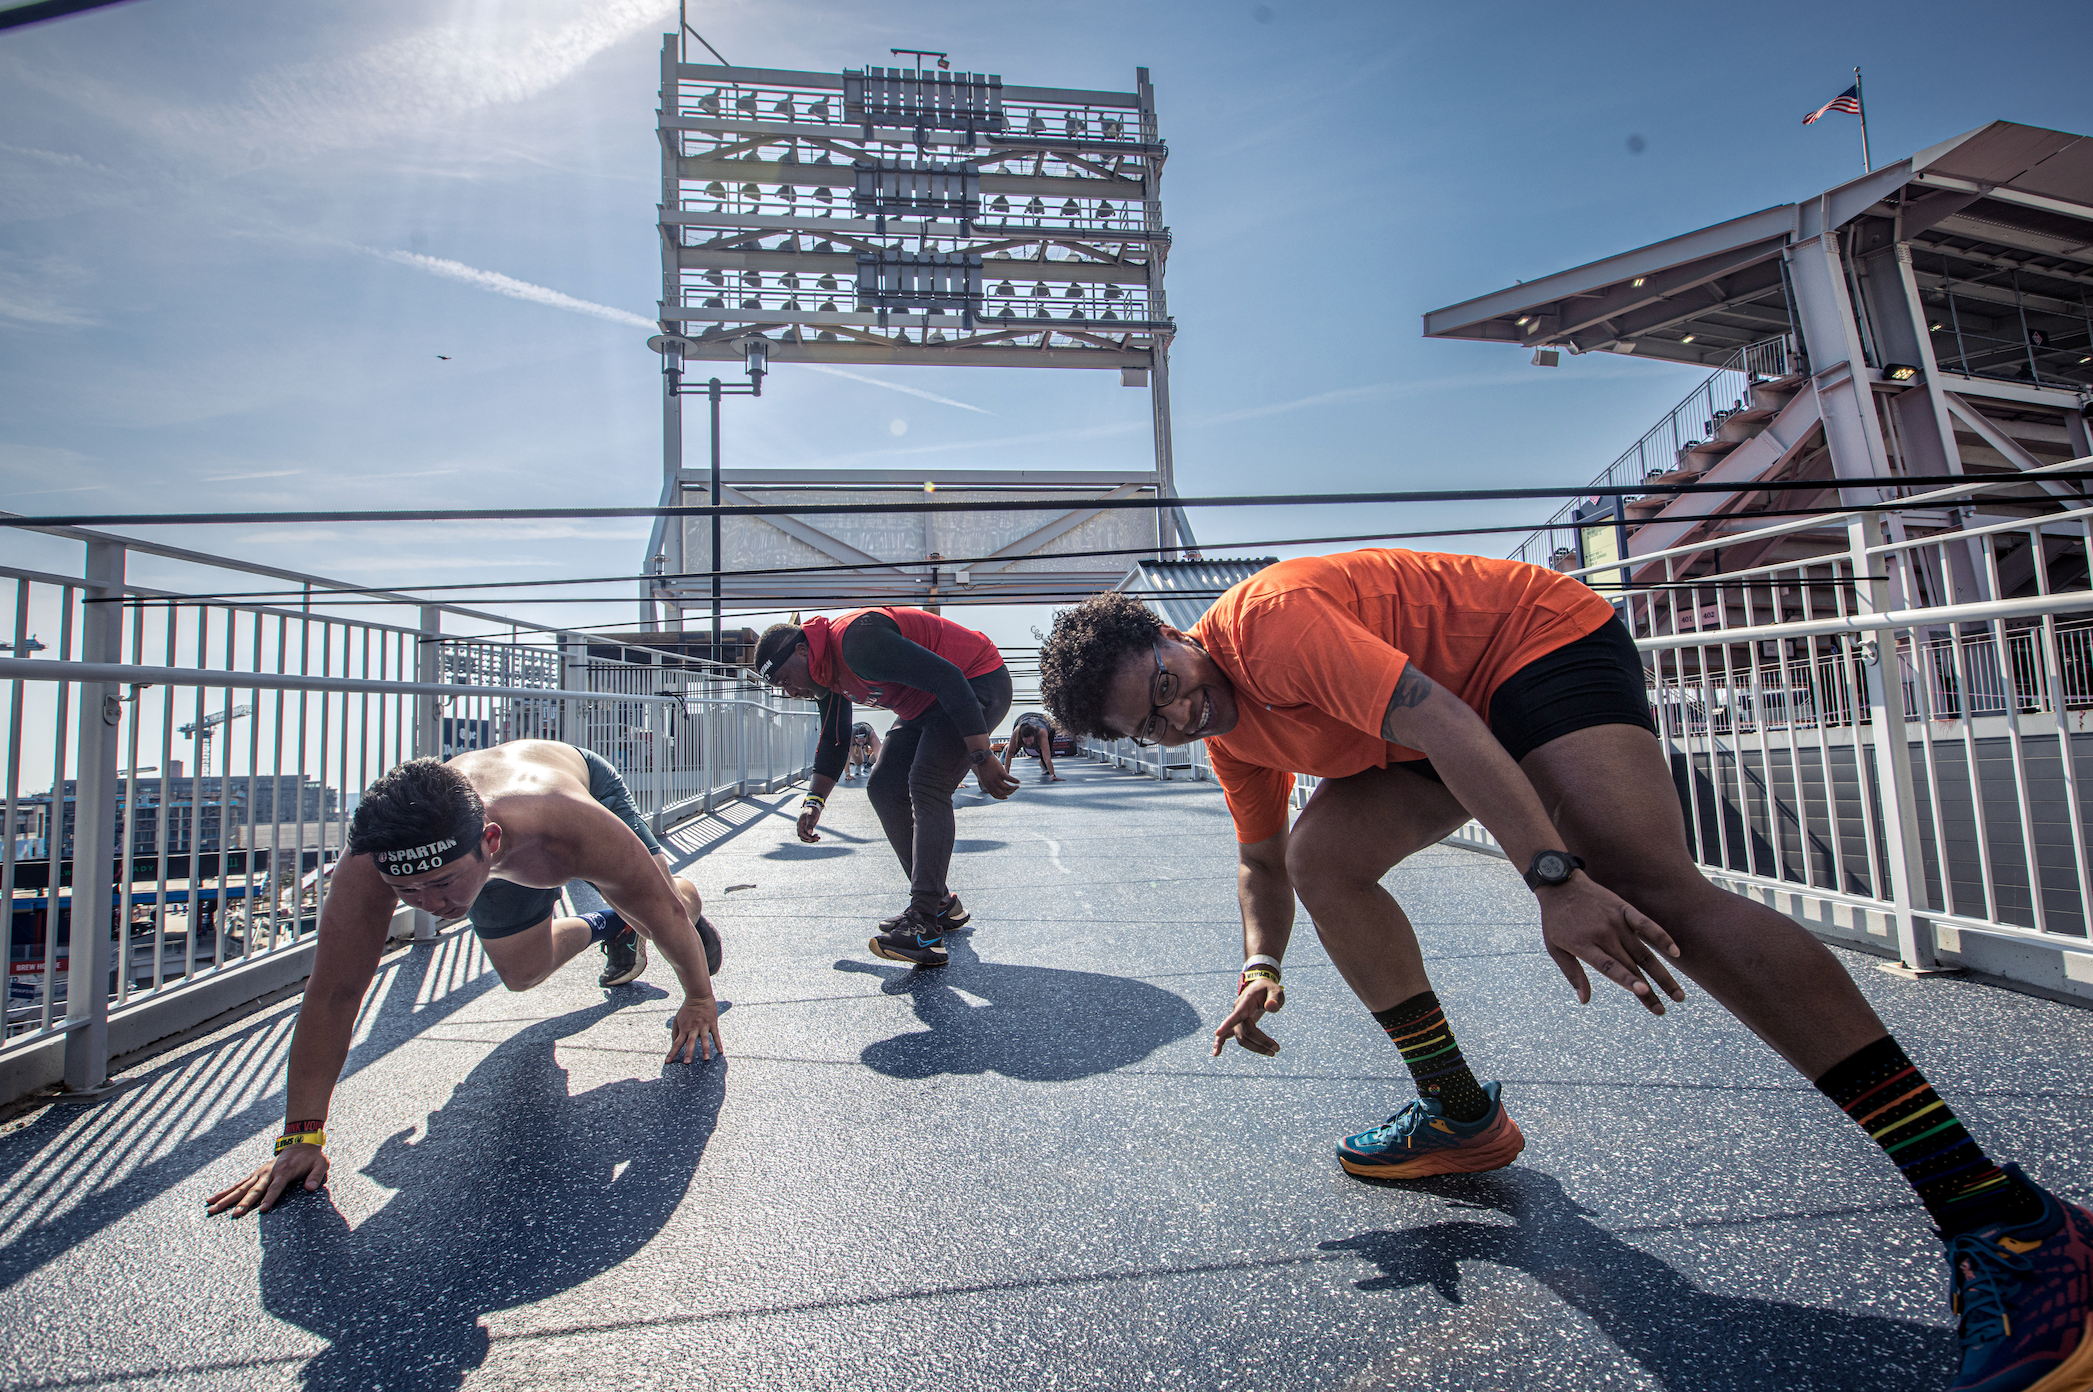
(1435, 495)
(963, 563)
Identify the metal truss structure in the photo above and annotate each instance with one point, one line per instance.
(943, 558)
(1933, 317)
(897, 216)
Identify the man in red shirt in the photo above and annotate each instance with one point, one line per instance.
(1425, 689)
(949, 687)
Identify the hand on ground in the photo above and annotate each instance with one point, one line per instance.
(808, 819)
(1257, 999)
(305, 1164)
(695, 1027)
(1585, 924)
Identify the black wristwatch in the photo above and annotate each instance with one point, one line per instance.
(1552, 868)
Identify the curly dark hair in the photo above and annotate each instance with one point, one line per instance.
(1088, 646)
(420, 801)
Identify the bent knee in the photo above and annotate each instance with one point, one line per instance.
(693, 902)
(1673, 891)
(1320, 868)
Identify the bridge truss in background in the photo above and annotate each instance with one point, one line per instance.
(930, 558)
(909, 217)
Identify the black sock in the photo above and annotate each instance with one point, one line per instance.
(1892, 1101)
(604, 924)
(1418, 1027)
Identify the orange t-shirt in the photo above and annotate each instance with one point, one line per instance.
(1314, 647)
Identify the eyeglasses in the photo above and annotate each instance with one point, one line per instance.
(1161, 692)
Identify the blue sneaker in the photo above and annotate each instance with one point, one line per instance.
(914, 939)
(1422, 1140)
(2024, 1298)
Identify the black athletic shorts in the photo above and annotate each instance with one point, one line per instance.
(503, 908)
(1596, 680)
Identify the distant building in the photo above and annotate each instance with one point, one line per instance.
(1929, 318)
(201, 814)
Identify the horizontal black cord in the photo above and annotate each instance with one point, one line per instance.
(1435, 495)
(950, 564)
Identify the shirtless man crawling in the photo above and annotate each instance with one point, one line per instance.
(494, 833)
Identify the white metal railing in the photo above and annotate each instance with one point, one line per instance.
(217, 746)
(1893, 732)
(1726, 391)
(1887, 740)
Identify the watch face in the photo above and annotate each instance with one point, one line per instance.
(1551, 867)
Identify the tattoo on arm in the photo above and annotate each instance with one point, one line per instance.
(1411, 689)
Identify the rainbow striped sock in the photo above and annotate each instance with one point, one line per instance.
(1418, 1027)
(1887, 1096)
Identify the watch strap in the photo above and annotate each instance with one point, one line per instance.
(1534, 881)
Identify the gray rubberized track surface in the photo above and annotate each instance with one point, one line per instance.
(1021, 1172)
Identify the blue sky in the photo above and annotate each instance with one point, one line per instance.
(236, 234)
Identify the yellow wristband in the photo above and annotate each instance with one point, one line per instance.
(284, 1143)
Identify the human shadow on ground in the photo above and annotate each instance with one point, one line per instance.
(517, 1191)
(1041, 1024)
(1692, 1340)
(63, 1203)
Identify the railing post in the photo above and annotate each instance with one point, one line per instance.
(574, 657)
(94, 825)
(1895, 792)
(428, 723)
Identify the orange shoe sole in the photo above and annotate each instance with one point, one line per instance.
(2074, 1374)
(1499, 1148)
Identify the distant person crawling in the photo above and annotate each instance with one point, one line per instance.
(496, 834)
(1033, 734)
(864, 750)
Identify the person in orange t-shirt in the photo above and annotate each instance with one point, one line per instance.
(1427, 689)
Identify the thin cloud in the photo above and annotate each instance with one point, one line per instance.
(426, 78)
(828, 371)
(235, 478)
(1083, 432)
(515, 289)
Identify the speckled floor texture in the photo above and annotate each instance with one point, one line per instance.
(1022, 1172)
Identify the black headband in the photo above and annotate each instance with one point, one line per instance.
(420, 860)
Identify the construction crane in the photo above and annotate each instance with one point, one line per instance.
(200, 731)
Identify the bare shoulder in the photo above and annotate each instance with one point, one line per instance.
(525, 782)
(524, 767)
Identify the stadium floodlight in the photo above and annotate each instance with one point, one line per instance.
(1899, 372)
(859, 218)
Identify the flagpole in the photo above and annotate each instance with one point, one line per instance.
(1867, 165)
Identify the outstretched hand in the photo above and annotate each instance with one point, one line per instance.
(1585, 924)
(306, 1164)
(1257, 999)
(998, 782)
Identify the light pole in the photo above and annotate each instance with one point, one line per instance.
(756, 355)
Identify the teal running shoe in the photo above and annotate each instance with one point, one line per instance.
(2023, 1294)
(1422, 1140)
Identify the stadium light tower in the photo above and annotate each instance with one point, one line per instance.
(915, 216)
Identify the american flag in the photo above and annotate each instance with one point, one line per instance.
(1847, 101)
